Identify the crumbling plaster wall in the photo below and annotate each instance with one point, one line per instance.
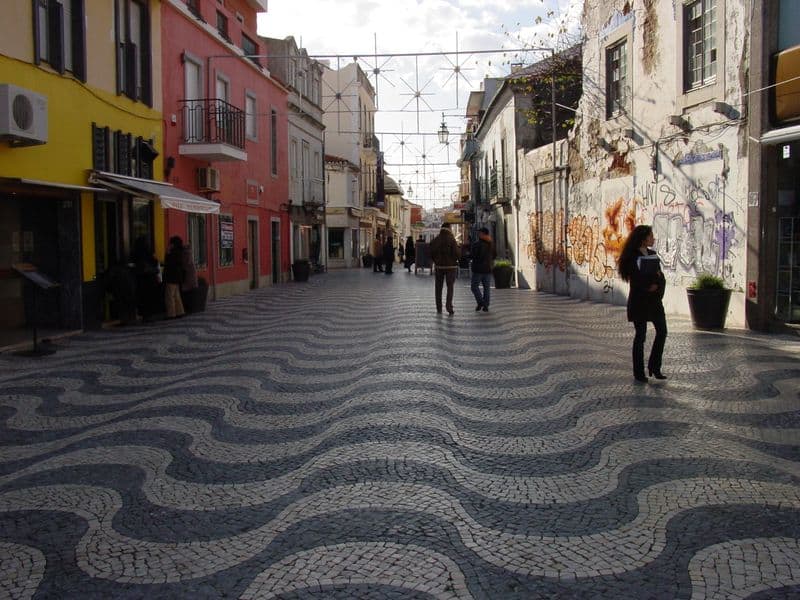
(688, 179)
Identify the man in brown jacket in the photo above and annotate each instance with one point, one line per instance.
(445, 254)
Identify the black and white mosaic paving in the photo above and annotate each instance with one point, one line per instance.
(340, 439)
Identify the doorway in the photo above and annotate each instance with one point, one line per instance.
(276, 251)
(252, 252)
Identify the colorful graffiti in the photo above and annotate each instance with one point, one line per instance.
(693, 232)
(546, 235)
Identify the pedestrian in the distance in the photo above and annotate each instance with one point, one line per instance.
(174, 275)
(400, 251)
(410, 253)
(388, 254)
(639, 265)
(445, 254)
(482, 254)
(376, 250)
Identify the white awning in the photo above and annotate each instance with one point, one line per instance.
(779, 136)
(170, 196)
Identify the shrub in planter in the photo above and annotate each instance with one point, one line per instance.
(708, 301)
(503, 272)
(300, 270)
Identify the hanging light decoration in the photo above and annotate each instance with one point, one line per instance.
(444, 134)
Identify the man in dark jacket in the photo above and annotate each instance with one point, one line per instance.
(483, 255)
(445, 254)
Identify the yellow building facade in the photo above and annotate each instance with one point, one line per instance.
(79, 94)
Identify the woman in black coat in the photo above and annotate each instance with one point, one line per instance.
(640, 266)
(388, 255)
(410, 253)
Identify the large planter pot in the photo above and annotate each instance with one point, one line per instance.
(194, 300)
(301, 270)
(502, 277)
(708, 307)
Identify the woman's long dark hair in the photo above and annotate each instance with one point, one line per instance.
(630, 250)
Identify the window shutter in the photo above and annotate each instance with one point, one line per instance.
(37, 51)
(120, 54)
(129, 49)
(123, 154)
(78, 40)
(55, 36)
(99, 148)
(145, 57)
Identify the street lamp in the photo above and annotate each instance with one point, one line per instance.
(444, 134)
(410, 192)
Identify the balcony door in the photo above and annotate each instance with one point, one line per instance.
(223, 114)
(193, 94)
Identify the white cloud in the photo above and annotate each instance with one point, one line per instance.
(332, 27)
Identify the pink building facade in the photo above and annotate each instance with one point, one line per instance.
(225, 131)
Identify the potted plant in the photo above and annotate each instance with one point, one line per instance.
(503, 272)
(301, 269)
(708, 301)
(366, 260)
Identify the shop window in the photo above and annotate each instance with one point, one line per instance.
(225, 240)
(59, 35)
(336, 243)
(196, 228)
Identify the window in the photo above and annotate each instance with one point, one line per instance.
(250, 49)
(273, 146)
(197, 238)
(194, 8)
(336, 243)
(225, 240)
(250, 122)
(141, 219)
(122, 153)
(222, 26)
(132, 33)
(700, 43)
(59, 35)
(616, 78)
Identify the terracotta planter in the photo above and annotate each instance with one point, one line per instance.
(708, 307)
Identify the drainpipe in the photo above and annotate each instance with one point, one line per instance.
(553, 126)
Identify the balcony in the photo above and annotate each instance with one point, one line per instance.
(213, 130)
(463, 189)
(493, 184)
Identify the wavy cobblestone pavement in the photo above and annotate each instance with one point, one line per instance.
(340, 439)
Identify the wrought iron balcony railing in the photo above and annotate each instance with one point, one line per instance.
(213, 121)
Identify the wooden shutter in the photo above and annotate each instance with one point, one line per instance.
(37, 51)
(129, 50)
(55, 36)
(100, 148)
(145, 57)
(78, 40)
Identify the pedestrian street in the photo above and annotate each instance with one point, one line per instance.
(340, 439)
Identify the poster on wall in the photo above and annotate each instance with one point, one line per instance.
(225, 232)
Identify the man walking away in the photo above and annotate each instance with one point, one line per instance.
(445, 254)
(483, 255)
(377, 253)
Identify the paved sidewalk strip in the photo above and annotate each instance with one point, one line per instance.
(340, 439)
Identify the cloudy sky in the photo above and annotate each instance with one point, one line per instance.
(407, 124)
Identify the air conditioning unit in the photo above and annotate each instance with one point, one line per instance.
(208, 179)
(23, 116)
